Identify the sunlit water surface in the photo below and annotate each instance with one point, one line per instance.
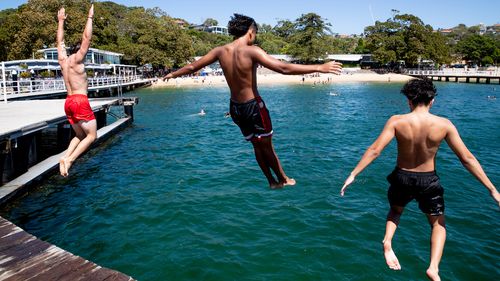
(178, 196)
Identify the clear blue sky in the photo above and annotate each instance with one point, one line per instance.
(347, 17)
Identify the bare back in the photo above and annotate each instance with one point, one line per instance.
(239, 66)
(73, 69)
(419, 136)
(74, 74)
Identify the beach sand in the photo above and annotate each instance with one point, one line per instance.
(268, 77)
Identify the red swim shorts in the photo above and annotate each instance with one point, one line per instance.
(77, 108)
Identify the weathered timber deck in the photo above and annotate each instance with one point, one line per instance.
(22, 117)
(24, 257)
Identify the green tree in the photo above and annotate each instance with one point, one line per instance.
(203, 42)
(6, 34)
(210, 22)
(271, 43)
(307, 44)
(406, 37)
(284, 29)
(142, 35)
(264, 28)
(145, 38)
(361, 47)
(476, 47)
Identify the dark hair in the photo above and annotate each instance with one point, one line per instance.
(73, 49)
(419, 91)
(239, 25)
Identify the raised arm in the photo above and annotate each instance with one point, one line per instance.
(372, 152)
(207, 59)
(469, 161)
(61, 48)
(289, 68)
(86, 37)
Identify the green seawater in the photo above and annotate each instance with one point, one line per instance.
(178, 196)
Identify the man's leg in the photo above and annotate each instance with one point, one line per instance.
(79, 136)
(261, 160)
(90, 130)
(438, 238)
(273, 161)
(390, 228)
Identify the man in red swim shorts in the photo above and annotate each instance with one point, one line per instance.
(77, 107)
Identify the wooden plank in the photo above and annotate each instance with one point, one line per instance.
(42, 113)
(24, 257)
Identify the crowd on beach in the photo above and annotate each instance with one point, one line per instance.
(269, 78)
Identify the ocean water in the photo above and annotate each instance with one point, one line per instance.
(178, 196)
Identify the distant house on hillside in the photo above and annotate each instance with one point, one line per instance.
(212, 29)
(181, 23)
(445, 31)
(493, 29)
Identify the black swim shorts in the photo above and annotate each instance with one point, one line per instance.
(252, 117)
(421, 186)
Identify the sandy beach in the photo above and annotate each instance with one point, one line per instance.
(267, 77)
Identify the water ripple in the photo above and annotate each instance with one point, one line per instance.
(179, 196)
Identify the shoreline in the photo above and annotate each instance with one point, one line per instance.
(276, 78)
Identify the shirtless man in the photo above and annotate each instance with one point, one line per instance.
(239, 60)
(77, 107)
(419, 135)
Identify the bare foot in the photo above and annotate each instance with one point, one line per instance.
(390, 257)
(67, 165)
(432, 274)
(62, 167)
(289, 181)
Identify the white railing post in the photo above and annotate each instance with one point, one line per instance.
(4, 83)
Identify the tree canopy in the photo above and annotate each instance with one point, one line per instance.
(307, 42)
(152, 36)
(405, 37)
(142, 35)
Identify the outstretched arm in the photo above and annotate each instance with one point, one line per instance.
(289, 68)
(87, 36)
(469, 161)
(61, 48)
(372, 152)
(207, 59)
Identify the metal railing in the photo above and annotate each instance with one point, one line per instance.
(56, 85)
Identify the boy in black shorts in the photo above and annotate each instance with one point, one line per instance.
(419, 134)
(239, 60)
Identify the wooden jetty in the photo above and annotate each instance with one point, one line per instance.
(33, 137)
(24, 257)
(458, 76)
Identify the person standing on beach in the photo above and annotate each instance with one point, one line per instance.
(77, 106)
(239, 61)
(418, 136)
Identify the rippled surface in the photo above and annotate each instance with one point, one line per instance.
(179, 196)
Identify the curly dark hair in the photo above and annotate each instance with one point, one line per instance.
(419, 91)
(73, 49)
(239, 25)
